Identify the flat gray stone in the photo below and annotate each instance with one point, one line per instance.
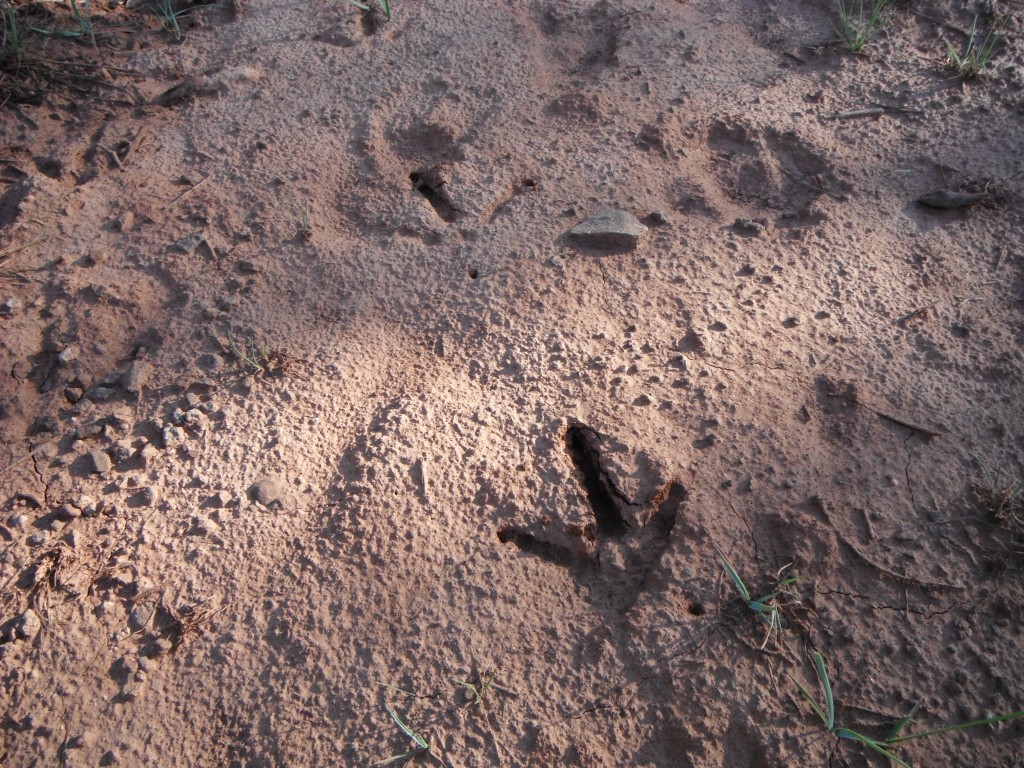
(137, 376)
(141, 615)
(270, 492)
(608, 229)
(100, 462)
(27, 625)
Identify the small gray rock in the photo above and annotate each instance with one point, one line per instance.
(608, 229)
(67, 512)
(102, 393)
(38, 539)
(136, 376)
(189, 243)
(67, 356)
(10, 306)
(27, 625)
(174, 436)
(141, 615)
(269, 491)
(99, 462)
(220, 499)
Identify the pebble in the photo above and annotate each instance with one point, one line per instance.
(86, 431)
(202, 526)
(147, 453)
(38, 539)
(102, 393)
(750, 226)
(148, 496)
(210, 362)
(188, 243)
(121, 451)
(269, 491)
(10, 306)
(608, 229)
(100, 462)
(67, 356)
(27, 625)
(173, 436)
(141, 615)
(136, 376)
(220, 499)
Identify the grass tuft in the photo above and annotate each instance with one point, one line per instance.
(305, 227)
(480, 688)
(10, 32)
(169, 17)
(826, 712)
(384, 5)
(858, 24)
(976, 55)
(1004, 500)
(767, 607)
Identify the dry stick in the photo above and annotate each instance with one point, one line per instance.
(908, 425)
(915, 314)
(28, 455)
(819, 190)
(188, 191)
(10, 250)
(115, 158)
(895, 420)
(135, 143)
(868, 112)
(941, 23)
(901, 578)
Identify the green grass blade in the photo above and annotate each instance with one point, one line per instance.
(826, 687)
(423, 743)
(900, 725)
(959, 727)
(810, 700)
(867, 741)
(740, 586)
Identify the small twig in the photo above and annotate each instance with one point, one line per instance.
(135, 143)
(941, 23)
(27, 456)
(915, 315)
(10, 250)
(867, 112)
(114, 156)
(187, 192)
(895, 420)
(819, 189)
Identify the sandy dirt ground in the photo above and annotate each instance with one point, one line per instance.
(311, 405)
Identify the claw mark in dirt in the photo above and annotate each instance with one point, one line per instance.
(583, 444)
(430, 182)
(628, 546)
(545, 550)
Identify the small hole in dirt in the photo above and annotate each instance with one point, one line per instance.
(696, 609)
(473, 273)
